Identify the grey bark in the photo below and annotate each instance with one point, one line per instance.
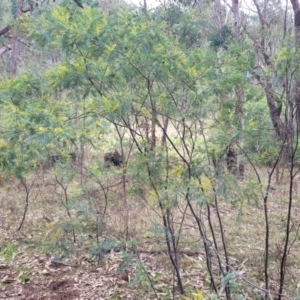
(218, 13)
(296, 84)
(236, 13)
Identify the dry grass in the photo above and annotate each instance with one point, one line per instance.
(27, 269)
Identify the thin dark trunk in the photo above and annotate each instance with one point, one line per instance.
(287, 236)
(124, 181)
(26, 204)
(240, 124)
(153, 115)
(164, 136)
(289, 214)
(171, 243)
(266, 264)
(227, 288)
(239, 93)
(206, 243)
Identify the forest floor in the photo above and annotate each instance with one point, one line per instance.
(30, 267)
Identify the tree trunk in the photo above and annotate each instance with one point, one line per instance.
(164, 134)
(236, 13)
(14, 57)
(217, 13)
(239, 114)
(233, 157)
(296, 84)
(294, 104)
(153, 126)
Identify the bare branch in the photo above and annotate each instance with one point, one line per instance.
(260, 15)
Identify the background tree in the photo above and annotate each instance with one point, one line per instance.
(102, 82)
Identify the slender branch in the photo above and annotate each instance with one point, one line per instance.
(27, 191)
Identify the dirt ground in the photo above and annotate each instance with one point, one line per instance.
(30, 267)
